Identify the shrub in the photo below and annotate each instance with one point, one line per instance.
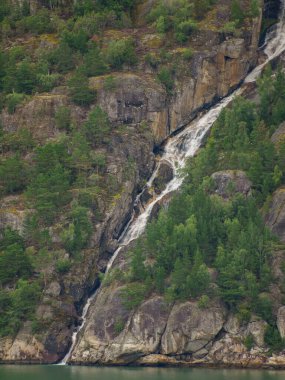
(203, 302)
(94, 63)
(48, 191)
(201, 7)
(26, 80)
(119, 326)
(12, 100)
(63, 266)
(13, 175)
(249, 342)
(17, 306)
(263, 307)
(76, 40)
(97, 125)
(121, 52)
(63, 118)
(79, 90)
(62, 58)
(46, 82)
(187, 54)
(237, 13)
(77, 235)
(273, 339)
(166, 78)
(14, 264)
(37, 24)
(133, 294)
(184, 29)
(110, 83)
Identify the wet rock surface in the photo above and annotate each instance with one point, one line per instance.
(164, 175)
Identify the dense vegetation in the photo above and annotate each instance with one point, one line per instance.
(63, 38)
(201, 230)
(63, 179)
(61, 44)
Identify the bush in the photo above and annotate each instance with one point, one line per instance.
(203, 302)
(121, 52)
(13, 175)
(76, 40)
(249, 342)
(187, 54)
(62, 58)
(26, 80)
(97, 126)
(94, 63)
(14, 264)
(133, 294)
(237, 13)
(12, 100)
(166, 78)
(37, 24)
(273, 339)
(63, 266)
(17, 306)
(48, 189)
(184, 29)
(63, 118)
(110, 83)
(46, 82)
(79, 90)
(119, 326)
(78, 233)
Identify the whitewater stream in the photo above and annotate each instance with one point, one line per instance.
(182, 146)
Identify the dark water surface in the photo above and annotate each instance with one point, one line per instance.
(94, 373)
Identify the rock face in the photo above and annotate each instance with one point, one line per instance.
(229, 182)
(157, 333)
(118, 336)
(189, 329)
(218, 66)
(275, 217)
(279, 135)
(281, 321)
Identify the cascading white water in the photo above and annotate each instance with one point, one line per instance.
(182, 146)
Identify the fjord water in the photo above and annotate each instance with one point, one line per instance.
(128, 373)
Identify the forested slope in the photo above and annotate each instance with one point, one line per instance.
(88, 89)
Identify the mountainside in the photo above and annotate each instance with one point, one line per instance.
(89, 91)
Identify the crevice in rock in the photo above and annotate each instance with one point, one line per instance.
(158, 351)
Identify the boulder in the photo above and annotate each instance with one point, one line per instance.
(190, 328)
(116, 335)
(164, 175)
(279, 135)
(275, 216)
(256, 329)
(229, 182)
(53, 289)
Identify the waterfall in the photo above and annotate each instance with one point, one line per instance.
(182, 146)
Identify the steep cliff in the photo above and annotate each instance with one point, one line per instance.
(143, 111)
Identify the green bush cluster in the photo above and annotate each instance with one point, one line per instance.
(23, 72)
(177, 16)
(16, 269)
